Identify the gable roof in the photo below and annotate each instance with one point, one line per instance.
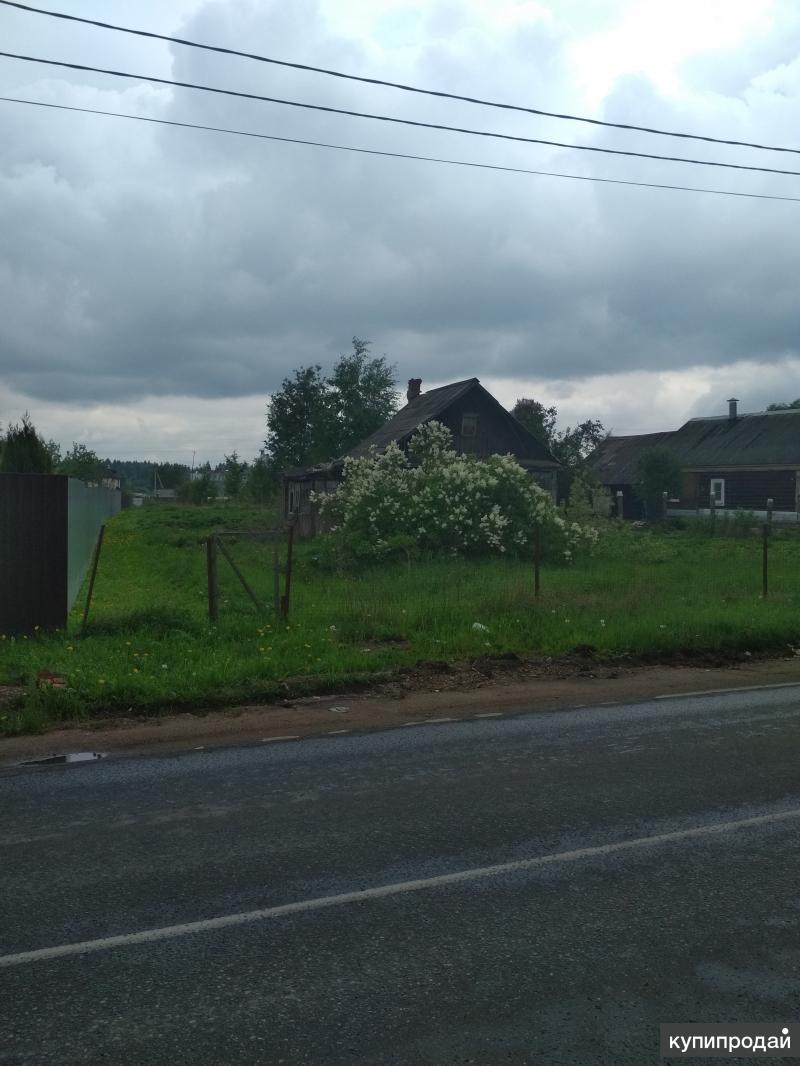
(767, 438)
(423, 409)
(430, 405)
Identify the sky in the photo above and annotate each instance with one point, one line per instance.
(158, 283)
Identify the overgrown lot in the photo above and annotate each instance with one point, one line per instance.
(149, 645)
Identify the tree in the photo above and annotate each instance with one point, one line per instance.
(793, 405)
(24, 451)
(172, 475)
(235, 473)
(261, 482)
(200, 489)
(313, 418)
(54, 451)
(658, 471)
(364, 395)
(571, 447)
(301, 424)
(537, 419)
(576, 444)
(82, 463)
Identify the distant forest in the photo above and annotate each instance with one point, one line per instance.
(138, 475)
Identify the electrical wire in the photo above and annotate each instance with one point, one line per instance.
(393, 119)
(398, 155)
(397, 85)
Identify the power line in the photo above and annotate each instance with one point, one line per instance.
(399, 155)
(396, 85)
(395, 120)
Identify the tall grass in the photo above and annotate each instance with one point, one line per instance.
(149, 644)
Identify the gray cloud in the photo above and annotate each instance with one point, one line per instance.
(141, 260)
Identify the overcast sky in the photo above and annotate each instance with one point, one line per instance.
(157, 283)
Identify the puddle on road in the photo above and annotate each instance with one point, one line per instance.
(67, 757)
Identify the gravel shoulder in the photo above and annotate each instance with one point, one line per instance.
(433, 690)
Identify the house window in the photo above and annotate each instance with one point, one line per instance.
(469, 425)
(718, 491)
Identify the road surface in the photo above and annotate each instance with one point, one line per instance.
(535, 889)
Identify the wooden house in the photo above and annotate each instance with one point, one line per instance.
(480, 426)
(738, 461)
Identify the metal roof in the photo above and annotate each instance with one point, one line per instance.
(767, 438)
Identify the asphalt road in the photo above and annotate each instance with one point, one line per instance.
(622, 866)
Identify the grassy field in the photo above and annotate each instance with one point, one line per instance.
(149, 645)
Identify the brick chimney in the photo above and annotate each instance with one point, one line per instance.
(732, 411)
(414, 388)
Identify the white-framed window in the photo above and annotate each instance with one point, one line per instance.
(469, 425)
(717, 491)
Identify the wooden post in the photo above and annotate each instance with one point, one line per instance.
(537, 561)
(288, 584)
(276, 580)
(213, 584)
(93, 575)
(240, 575)
(765, 560)
(619, 503)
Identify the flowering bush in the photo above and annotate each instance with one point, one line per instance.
(441, 501)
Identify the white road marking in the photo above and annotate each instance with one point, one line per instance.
(150, 936)
(334, 732)
(269, 740)
(737, 688)
(430, 721)
(490, 714)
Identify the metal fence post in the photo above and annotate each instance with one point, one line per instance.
(765, 560)
(213, 585)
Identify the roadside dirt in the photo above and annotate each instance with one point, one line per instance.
(503, 685)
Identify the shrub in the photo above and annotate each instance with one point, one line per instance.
(438, 501)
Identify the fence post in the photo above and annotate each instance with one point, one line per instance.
(765, 560)
(90, 590)
(619, 503)
(288, 584)
(537, 560)
(276, 580)
(213, 586)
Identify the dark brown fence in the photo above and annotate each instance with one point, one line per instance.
(48, 528)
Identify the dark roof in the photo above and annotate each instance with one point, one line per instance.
(768, 438)
(425, 408)
(615, 459)
(429, 405)
(415, 413)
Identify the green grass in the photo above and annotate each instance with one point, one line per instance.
(149, 645)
